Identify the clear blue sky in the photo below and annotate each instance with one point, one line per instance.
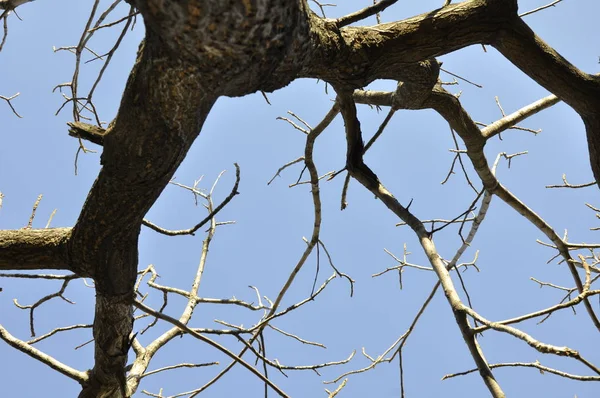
(411, 158)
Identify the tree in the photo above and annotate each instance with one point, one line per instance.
(195, 53)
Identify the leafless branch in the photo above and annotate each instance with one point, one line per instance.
(191, 231)
(80, 377)
(8, 99)
(543, 369)
(540, 8)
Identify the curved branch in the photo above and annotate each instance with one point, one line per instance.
(450, 109)
(210, 342)
(356, 56)
(362, 173)
(78, 376)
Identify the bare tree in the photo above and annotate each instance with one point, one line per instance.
(195, 52)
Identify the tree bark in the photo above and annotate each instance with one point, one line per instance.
(196, 51)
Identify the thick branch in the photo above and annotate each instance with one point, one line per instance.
(87, 132)
(542, 63)
(29, 249)
(521, 46)
(355, 56)
(161, 113)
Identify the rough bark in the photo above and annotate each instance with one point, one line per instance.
(141, 152)
(29, 249)
(196, 51)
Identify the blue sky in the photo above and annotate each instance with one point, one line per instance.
(411, 158)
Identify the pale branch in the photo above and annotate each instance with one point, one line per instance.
(369, 180)
(485, 203)
(509, 121)
(552, 285)
(568, 304)
(294, 125)
(315, 191)
(58, 330)
(316, 197)
(306, 182)
(322, 6)
(450, 108)
(267, 318)
(552, 4)
(33, 211)
(543, 369)
(142, 153)
(210, 342)
(452, 264)
(179, 366)
(566, 184)
(50, 218)
(402, 264)
(275, 363)
(78, 376)
(374, 361)
(536, 344)
(399, 343)
(403, 339)
(335, 392)
(300, 120)
(206, 300)
(142, 361)
(386, 98)
(270, 316)
(285, 166)
(8, 99)
(293, 336)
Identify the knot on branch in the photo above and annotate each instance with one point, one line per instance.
(412, 94)
(87, 132)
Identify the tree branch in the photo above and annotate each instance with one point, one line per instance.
(80, 377)
(369, 180)
(29, 249)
